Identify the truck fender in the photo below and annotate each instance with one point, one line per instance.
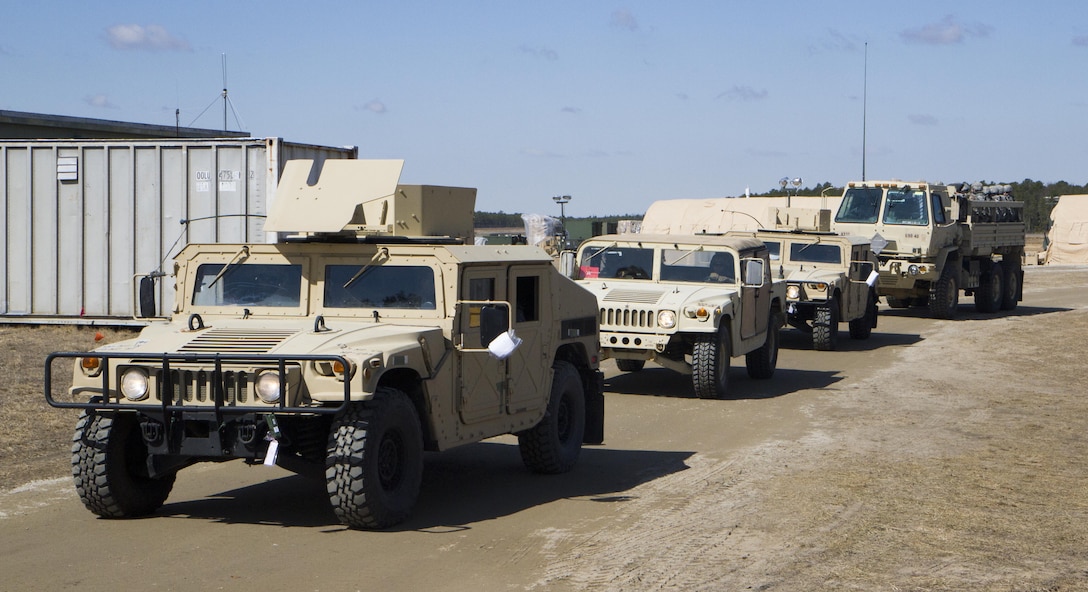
(945, 254)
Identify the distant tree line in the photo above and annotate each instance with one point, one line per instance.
(503, 220)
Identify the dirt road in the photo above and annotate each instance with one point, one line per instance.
(938, 455)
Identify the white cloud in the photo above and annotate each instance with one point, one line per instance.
(150, 37)
(920, 119)
(101, 101)
(1081, 41)
(374, 106)
(948, 31)
(744, 93)
(624, 19)
(540, 52)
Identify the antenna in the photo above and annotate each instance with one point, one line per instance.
(225, 98)
(226, 102)
(864, 107)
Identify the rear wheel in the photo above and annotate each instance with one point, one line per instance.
(109, 466)
(862, 327)
(553, 445)
(1011, 293)
(762, 362)
(989, 295)
(630, 365)
(710, 364)
(374, 464)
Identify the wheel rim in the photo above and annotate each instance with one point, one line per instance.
(562, 420)
(390, 453)
(721, 362)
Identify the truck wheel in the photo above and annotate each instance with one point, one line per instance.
(825, 327)
(109, 466)
(762, 362)
(374, 461)
(553, 445)
(945, 297)
(897, 302)
(989, 294)
(630, 365)
(1011, 286)
(862, 328)
(710, 364)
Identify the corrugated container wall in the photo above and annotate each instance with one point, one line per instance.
(81, 218)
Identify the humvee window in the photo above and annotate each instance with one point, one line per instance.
(773, 249)
(697, 266)
(815, 253)
(619, 263)
(248, 284)
(527, 299)
(380, 286)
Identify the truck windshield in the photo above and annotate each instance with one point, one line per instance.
(860, 205)
(249, 284)
(380, 286)
(635, 263)
(906, 206)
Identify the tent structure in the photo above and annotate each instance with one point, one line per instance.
(694, 216)
(1068, 234)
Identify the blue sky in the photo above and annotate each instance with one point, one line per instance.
(615, 104)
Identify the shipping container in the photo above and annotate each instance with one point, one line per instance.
(82, 218)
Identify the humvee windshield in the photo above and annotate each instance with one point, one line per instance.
(617, 262)
(697, 266)
(815, 253)
(248, 284)
(380, 286)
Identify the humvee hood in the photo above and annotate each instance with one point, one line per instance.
(658, 294)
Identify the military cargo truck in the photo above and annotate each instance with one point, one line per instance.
(686, 302)
(343, 351)
(934, 241)
(828, 279)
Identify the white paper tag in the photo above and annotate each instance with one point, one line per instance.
(270, 456)
(873, 277)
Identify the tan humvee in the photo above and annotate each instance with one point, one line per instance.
(344, 351)
(687, 302)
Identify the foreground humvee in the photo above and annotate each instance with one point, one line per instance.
(343, 351)
(828, 276)
(687, 302)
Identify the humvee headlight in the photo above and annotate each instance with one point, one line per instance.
(793, 291)
(91, 366)
(134, 384)
(912, 270)
(666, 319)
(268, 386)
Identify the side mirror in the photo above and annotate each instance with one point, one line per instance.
(753, 272)
(494, 321)
(147, 297)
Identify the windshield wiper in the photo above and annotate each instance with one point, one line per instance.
(684, 256)
(382, 252)
(237, 259)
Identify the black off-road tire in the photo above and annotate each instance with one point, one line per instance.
(944, 298)
(553, 445)
(762, 362)
(630, 365)
(710, 364)
(109, 467)
(862, 327)
(825, 327)
(374, 461)
(897, 302)
(1013, 277)
(989, 294)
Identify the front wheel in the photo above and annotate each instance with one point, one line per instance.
(625, 365)
(109, 466)
(374, 462)
(553, 445)
(945, 295)
(825, 327)
(710, 364)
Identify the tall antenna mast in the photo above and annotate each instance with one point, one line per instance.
(224, 94)
(864, 107)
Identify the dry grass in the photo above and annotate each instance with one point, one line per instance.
(33, 435)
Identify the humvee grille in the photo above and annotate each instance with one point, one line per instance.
(639, 296)
(628, 318)
(196, 386)
(236, 341)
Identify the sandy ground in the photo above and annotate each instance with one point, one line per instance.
(940, 455)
